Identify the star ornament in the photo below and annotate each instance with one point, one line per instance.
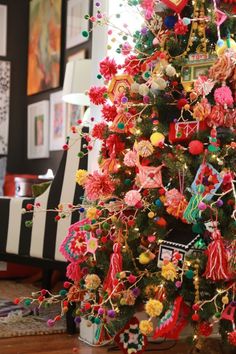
(130, 340)
(92, 245)
(176, 5)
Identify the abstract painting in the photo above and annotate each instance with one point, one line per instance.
(4, 105)
(44, 51)
(38, 126)
(57, 121)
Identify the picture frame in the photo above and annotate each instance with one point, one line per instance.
(5, 83)
(3, 30)
(81, 54)
(57, 121)
(38, 127)
(44, 48)
(73, 114)
(76, 23)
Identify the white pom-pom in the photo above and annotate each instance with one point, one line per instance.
(170, 70)
(143, 90)
(134, 87)
(161, 83)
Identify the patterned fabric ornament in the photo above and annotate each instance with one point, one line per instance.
(173, 321)
(209, 178)
(176, 5)
(175, 203)
(149, 177)
(192, 212)
(74, 245)
(183, 131)
(130, 339)
(203, 85)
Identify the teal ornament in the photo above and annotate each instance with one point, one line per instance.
(189, 274)
(186, 21)
(158, 203)
(192, 212)
(120, 125)
(127, 182)
(97, 320)
(213, 148)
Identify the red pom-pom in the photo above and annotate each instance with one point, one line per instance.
(196, 147)
(232, 338)
(16, 301)
(196, 307)
(205, 329)
(66, 284)
(181, 103)
(29, 206)
(65, 147)
(87, 306)
(195, 317)
(161, 222)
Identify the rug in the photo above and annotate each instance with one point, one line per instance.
(17, 320)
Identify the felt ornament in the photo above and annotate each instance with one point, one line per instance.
(114, 268)
(175, 203)
(176, 5)
(92, 245)
(130, 339)
(217, 261)
(118, 85)
(173, 321)
(183, 131)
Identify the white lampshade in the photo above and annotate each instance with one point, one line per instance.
(77, 81)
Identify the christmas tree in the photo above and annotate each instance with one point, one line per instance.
(158, 221)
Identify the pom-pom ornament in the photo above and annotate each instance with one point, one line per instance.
(196, 147)
(157, 138)
(232, 338)
(224, 45)
(146, 257)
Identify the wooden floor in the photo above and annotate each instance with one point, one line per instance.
(66, 344)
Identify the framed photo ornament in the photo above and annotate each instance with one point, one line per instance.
(38, 126)
(76, 23)
(57, 121)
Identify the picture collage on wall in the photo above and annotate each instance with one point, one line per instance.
(52, 123)
(5, 68)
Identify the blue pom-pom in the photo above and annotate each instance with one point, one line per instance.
(170, 21)
(220, 42)
(186, 21)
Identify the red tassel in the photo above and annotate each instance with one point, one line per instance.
(114, 268)
(217, 263)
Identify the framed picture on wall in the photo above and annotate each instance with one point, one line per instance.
(3, 30)
(44, 47)
(38, 127)
(5, 74)
(57, 121)
(76, 23)
(73, 114)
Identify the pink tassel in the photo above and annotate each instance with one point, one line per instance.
(217, 263)
(115, 267)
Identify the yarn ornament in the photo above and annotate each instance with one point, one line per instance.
(92, 281)
(132, 197)
(168, 271)
(216, 117)
(170, 71)
(157, 138)
(196, 147)
(144, 148)
(115, 267)
(98, 185)
(223, 95)
(175, 203)
(180, 28)
(191, 213)
(170, 21)
(130, 158)
(108, 68)
(153, 308)
(205, 329)
(202, 110)
(97, 95)
(217, 262)
(203, 85)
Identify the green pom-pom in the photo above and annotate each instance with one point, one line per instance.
(217, 314)
(179, 135)
(80, 154)
(124, 38)
(87, 227)
(147, 74)
(120, 125)
(127, 182)
(99, 76)
(27, 302)
(118, 50)
(63, 292)
(29, 223)
(106, 226)
(86, 17)
(189, 274)
(85, 34)
(97, 320)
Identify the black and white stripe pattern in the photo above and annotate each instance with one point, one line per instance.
(42, 241)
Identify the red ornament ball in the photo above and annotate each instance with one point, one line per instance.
(232, 338)
(196, 147)
(205, 329)
(195, 317)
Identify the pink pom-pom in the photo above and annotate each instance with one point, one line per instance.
(223, 95)
(108, 68)
(73, 271)
(98, 186)
(130, 159)
(96, 95)
(132, 198)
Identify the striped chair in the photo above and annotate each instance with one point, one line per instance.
(39, 245)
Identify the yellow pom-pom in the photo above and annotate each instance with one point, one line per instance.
(81, 176)
(151, 215)
(225, 300)
(146, 327)
(92, 281)
(153, 308)
(144, 258)
(92, 213)
(157, 138)
(168, 271)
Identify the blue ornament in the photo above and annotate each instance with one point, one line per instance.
(158, 203)
(186, 21)
(220, 42)
(170, 21)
